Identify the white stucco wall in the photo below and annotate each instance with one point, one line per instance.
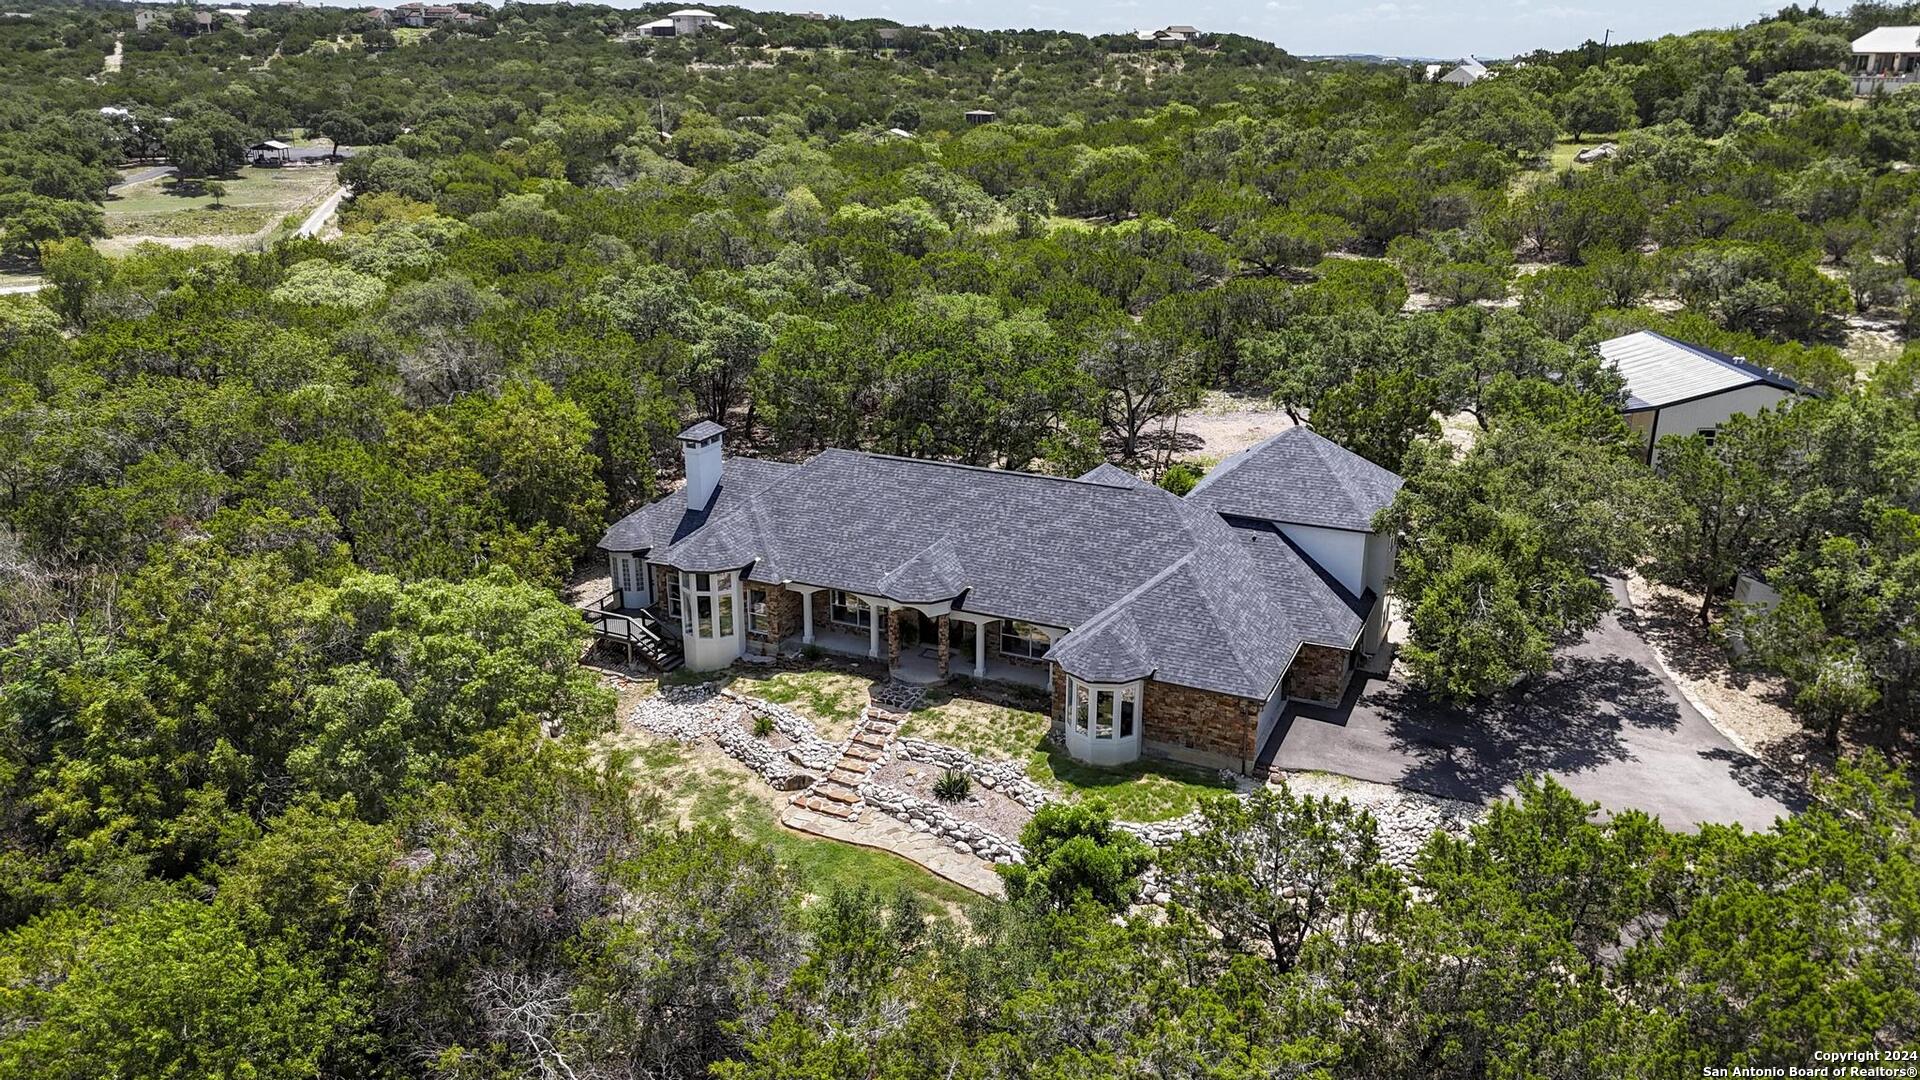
(1339, 552)
(1690, 417)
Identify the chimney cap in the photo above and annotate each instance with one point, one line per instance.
(704, 431)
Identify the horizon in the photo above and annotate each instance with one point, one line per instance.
(1418, 29)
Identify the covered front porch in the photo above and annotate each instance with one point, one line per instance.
(924, 643)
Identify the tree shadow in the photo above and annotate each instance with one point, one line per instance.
(1568, 721)
(1670, 622)
(1759, 778)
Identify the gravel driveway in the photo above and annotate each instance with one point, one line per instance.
(1605, 722)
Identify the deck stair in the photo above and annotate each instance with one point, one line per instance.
(640, 630)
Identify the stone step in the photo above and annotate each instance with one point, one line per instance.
(831, 809)
(849, 777)
(838, 792)
(870, 741)
(861, 751)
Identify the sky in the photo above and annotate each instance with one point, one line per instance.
(1441, 28)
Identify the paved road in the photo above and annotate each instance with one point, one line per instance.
(1606, 723)
(318, 219)
(10, 290)
(140, 176)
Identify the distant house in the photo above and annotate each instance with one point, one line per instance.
(1469, 72)
(1168, 35)
(1886, 57)
(889, 34)
(683, 23)
(1180, 627)
(1676, 388)
(980, 116)
(816, 16)
(378, 16)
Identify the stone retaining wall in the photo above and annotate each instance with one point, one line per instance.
(933, 819)
(1006, 777)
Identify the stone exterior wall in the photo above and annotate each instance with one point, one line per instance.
(661, 575)
(783, 613)
(822, 602)
(1319, 674)
(1217, 725)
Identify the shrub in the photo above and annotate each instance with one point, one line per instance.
(762, 725)
(952, 786)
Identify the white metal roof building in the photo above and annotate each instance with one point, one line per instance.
(1676, 388)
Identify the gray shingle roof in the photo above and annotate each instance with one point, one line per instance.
(1662, 371)
(1146, 582)
(658, 524)
(1300, 478)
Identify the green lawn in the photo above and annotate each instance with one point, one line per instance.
(707, 786)
(1144, 791)
(255, 198)
(1147, 790)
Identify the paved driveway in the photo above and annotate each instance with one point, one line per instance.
(1606, 723)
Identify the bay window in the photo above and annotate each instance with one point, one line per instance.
(1103, 721)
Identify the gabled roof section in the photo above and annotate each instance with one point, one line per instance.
(1662, 371)
(659, 524)
(1109, 473)
(1300, 478)
(1888, 39)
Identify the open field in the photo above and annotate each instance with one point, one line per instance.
(256, 204)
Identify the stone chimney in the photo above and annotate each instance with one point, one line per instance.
(702, 445)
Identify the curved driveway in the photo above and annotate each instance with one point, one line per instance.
(1606, 722)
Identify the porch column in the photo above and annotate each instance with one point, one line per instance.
(893, 638)
(874, 615)
(941, 622)
(980, 650)
(806, 618)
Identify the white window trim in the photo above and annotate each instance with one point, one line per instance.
(1039, 639)
(838, 599)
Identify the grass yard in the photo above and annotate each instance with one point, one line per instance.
(701, 784)
(256, 201)
(1145, 791)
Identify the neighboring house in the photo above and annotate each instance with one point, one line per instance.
(1888, 56)
(1161, 625)
(1469, 72)
(378, 16)
(683, 23)
(980, 116)
(1169, 35)
(1674, 388)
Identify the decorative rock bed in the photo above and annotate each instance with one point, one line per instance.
(936, 820)
(709, 711)
(1006, 777)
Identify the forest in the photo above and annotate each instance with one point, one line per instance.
(300, 776)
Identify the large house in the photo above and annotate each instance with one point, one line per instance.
(1675, 388)
(683, 23)
(1888, 56)
(1470, 71)
(1165, 625)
